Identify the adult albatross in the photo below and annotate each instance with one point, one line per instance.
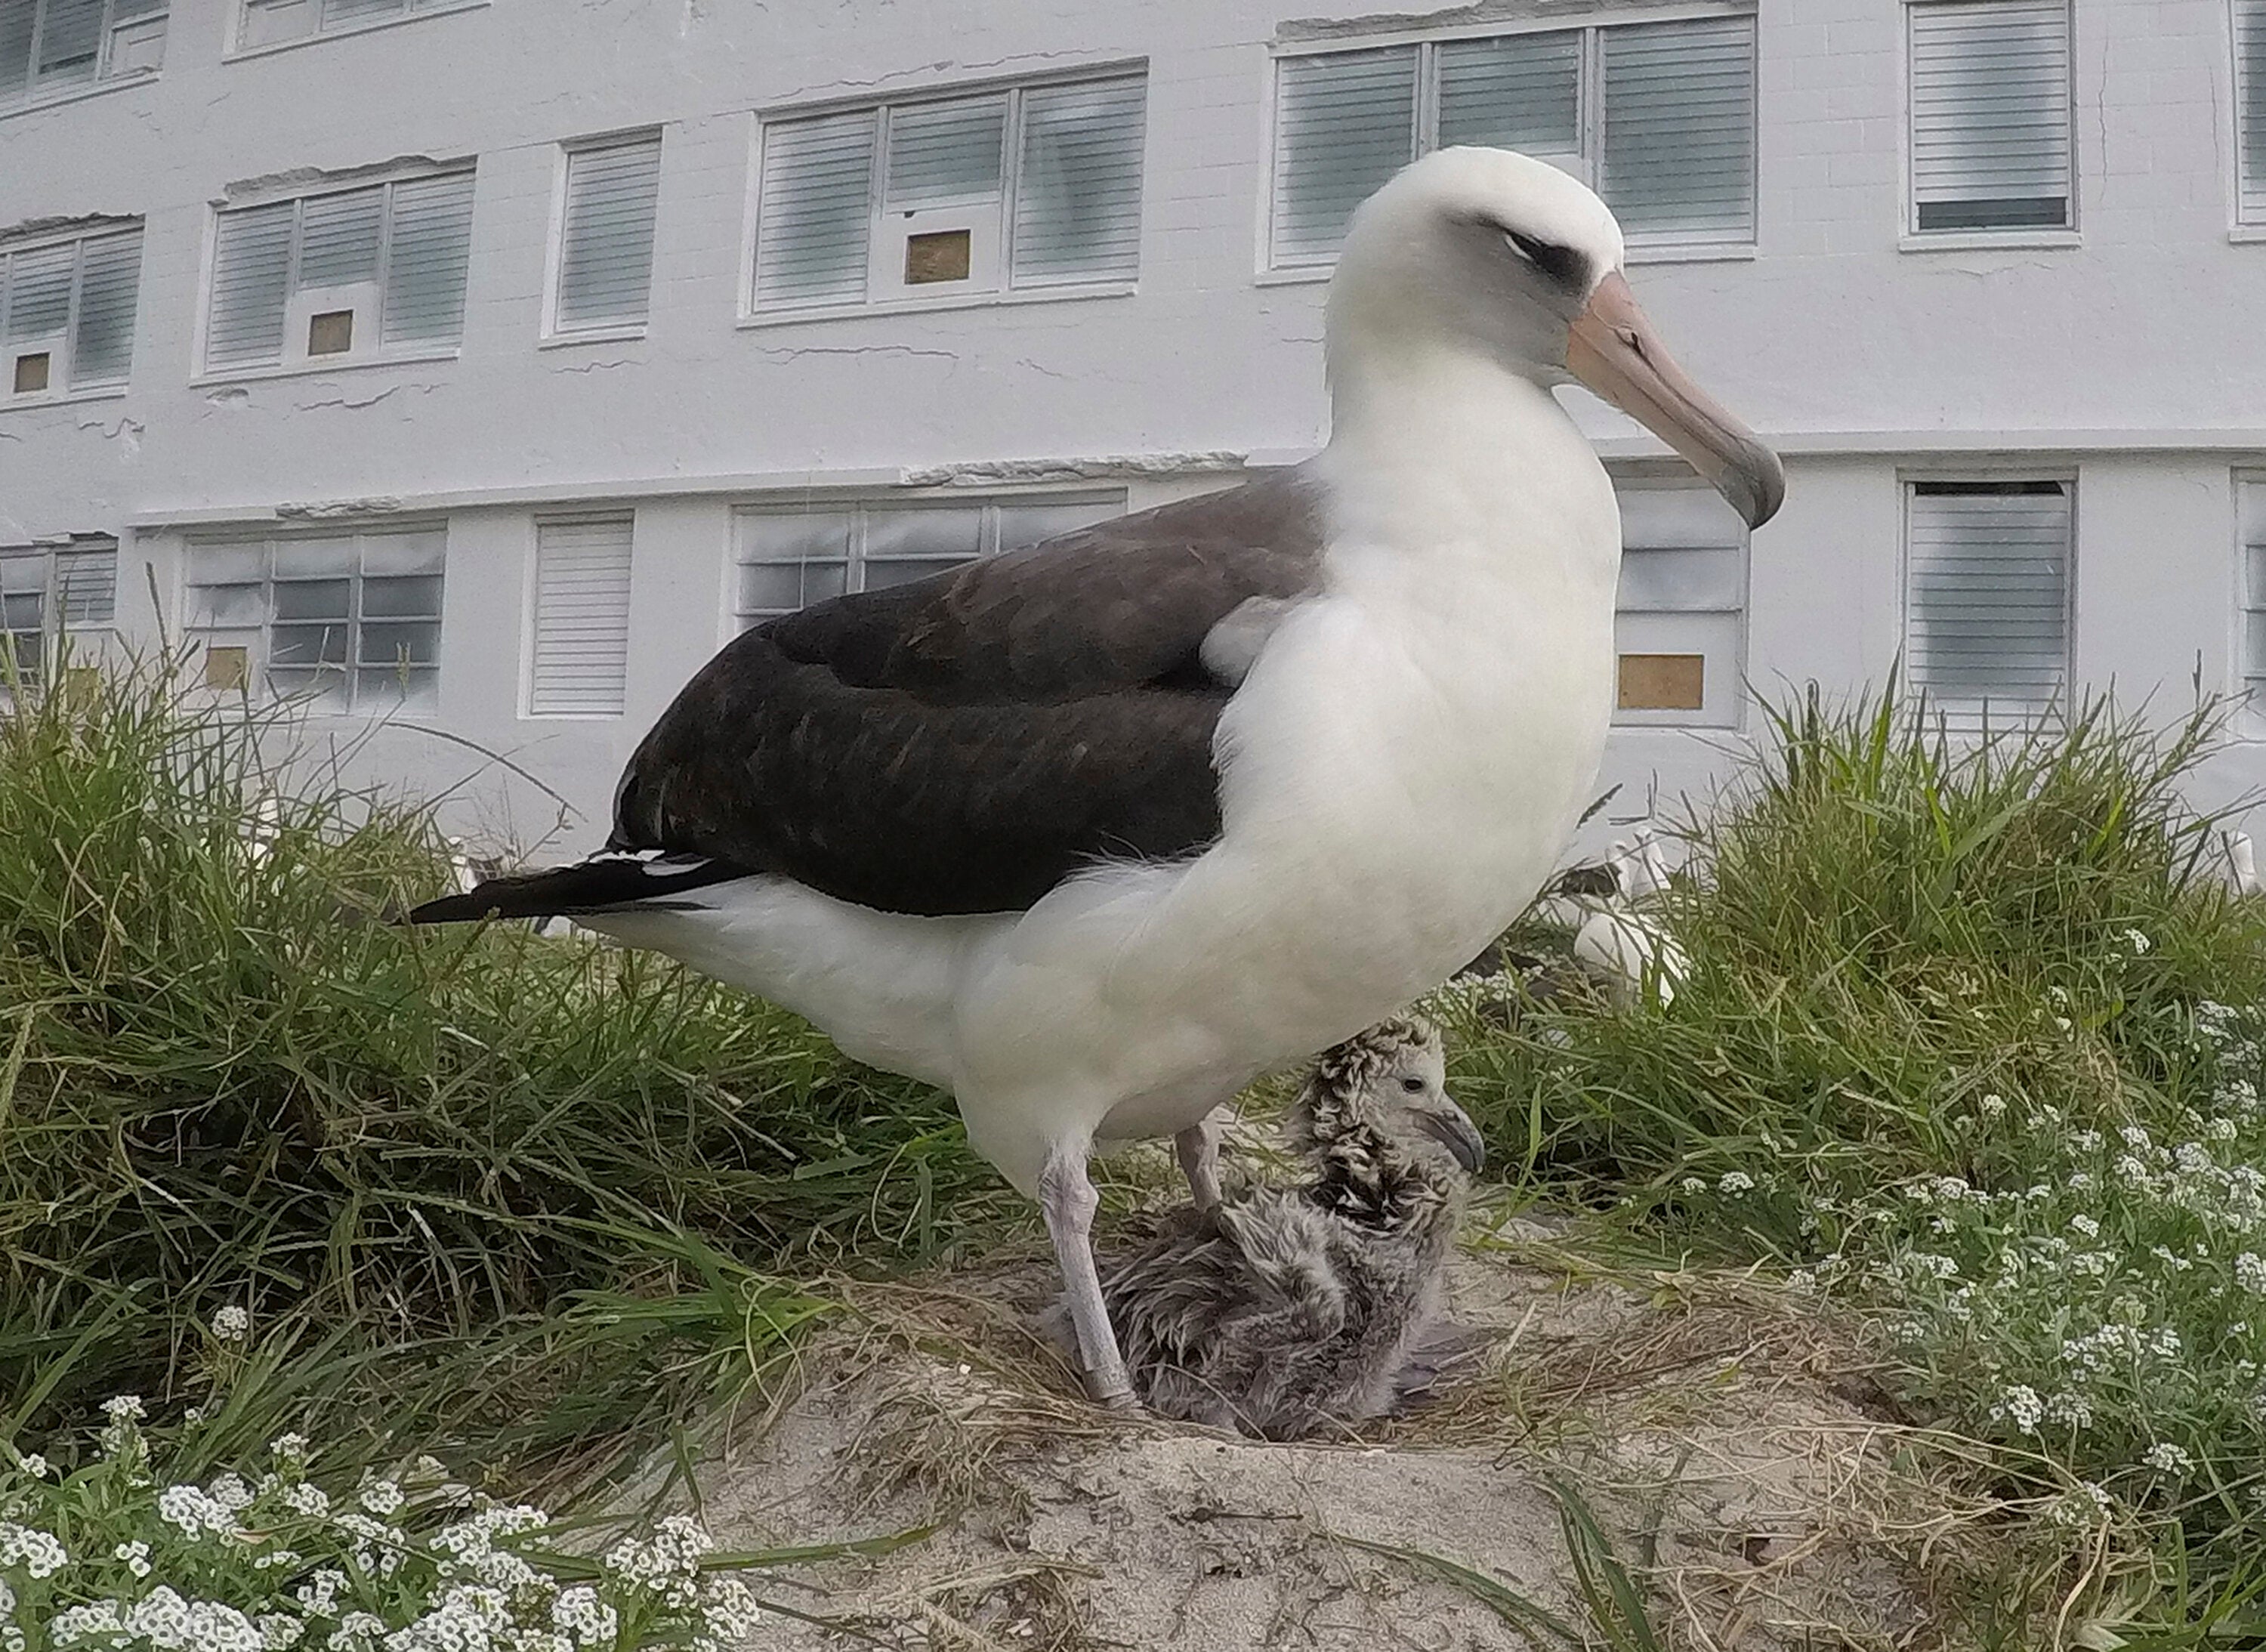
(1096, 832)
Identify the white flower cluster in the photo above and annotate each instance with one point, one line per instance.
(196, 1511)
(232, 1324)
(41, 1553)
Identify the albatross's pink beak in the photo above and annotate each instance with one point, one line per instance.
(1615, 352)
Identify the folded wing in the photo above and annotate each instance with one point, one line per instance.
(963, 743)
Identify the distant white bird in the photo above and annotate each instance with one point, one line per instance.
(1619, 941)
(1096, 832)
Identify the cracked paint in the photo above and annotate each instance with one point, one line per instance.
(1103, 467)
(1449, 17)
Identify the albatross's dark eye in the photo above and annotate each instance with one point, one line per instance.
(1561, 263)
(1413, 1086)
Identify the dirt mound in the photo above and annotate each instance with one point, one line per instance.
(1734, 1463)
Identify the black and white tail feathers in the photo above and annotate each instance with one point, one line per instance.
(604, 882)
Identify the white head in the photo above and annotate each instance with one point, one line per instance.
(1491, 254)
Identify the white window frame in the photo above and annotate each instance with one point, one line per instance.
(865, 503)
(1732, 715)
(108, 74)
(63, 380)
(1908, 482)
(241, 43)
(295, 362)
(257, 689)
(554, 261)
(2248, 194)
(998, 255)
(1915, 239)
(1589, 114)
(54, 623)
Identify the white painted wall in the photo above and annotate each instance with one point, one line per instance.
(2131, 354)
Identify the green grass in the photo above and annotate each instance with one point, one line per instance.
(463, 1168)
(1947, 1052)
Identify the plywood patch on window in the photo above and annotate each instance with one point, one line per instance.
(1663, 682)
(330, 332)
(32, 372)
(940, 256)
(228, 669)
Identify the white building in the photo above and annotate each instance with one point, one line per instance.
(479, 367)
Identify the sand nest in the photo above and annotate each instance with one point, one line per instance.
(1733, 1452)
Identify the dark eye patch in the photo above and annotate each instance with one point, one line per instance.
(1561, 263)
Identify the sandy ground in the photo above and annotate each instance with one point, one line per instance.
(1732, 1452)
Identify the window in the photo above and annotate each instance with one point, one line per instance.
(605, 235)
(1682, 611)
(1027, 187)
(1990, 115)
(347, 621)
(1659, 118)
(52, 48)
(1987, 603)
(789, 557)
(48, 593)
(582, 646)
(2250, 109)
(67, 314)
(356, 274)
(2250, 503)
(270, 22)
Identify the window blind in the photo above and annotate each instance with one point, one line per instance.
(943, 153)
(1991, 114)
(1677, 159)
(2250, 504)
(86, 584)
(40, 294)
(1344, 123)
(338, 238)
(605, 259)
(1517, 92)
(109, 282)
(252, 276)
(581, 646)
(1077, 189)
(2250, 106)
(813, 209)
(1987, 595)
(427, 259)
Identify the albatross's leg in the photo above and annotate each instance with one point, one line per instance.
(1198, 1148)
(1069, 1200)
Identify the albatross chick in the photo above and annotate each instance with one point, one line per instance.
(1286, 1310)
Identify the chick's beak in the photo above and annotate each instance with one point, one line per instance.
(1452, 1127)
(1614, 350)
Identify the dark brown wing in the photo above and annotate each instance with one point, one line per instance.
(963, 743)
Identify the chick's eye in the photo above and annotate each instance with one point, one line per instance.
(1412, 1085)
(1562, 264)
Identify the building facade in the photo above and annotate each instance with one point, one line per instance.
(474, 369)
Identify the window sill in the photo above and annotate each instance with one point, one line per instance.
(80, 94)
(2247, 234)
(591, 335)
(923, 306)
(312, 369)
(24, 404)
(1987, 240)
(345, 31)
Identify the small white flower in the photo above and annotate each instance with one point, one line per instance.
(2021, 1406)
(2169, 1458)
(1992, 1106)
(1735, 1182)
(232, 1324)
(2062, 1023)
(2086, 1225)
(379, 1496)
(2250, 1273)
(2137, 939)
(123, 1408)
(289, 1448)
(33, 1465)
(312, 1501)
(278, 1631)
(136, 1556)
(1693, 1184)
